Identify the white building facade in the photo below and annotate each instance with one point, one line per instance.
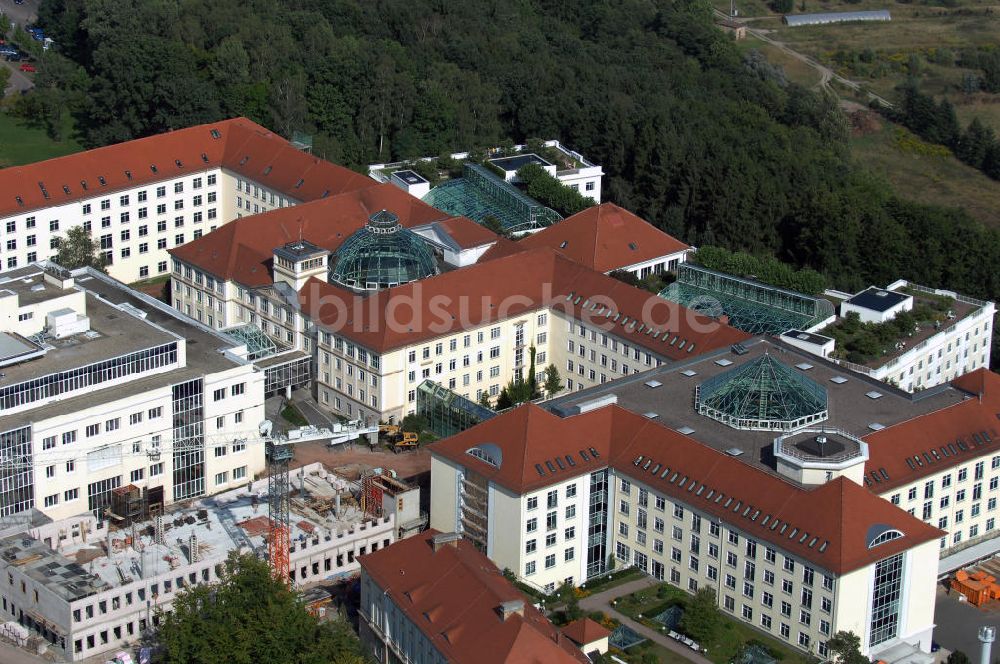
(538, 500)
(126, 398)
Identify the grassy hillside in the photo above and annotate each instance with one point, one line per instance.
(21, 144)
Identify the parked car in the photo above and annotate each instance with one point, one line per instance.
(30, 69)
(12, 57)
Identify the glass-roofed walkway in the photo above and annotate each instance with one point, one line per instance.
(479, 194)
(448, 413)
(258, 344)
(751, 306)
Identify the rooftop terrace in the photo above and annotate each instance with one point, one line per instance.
(878, 344)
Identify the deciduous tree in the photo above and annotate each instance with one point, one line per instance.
(250, 617)
(77, 250)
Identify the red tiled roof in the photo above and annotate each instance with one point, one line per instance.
(196, 148)
(836, 518)
(453, 596)
(242, 249)
(270, 160)
(530, 436)
(584, 631)
(510, 286)
(605, 238)
(941, 435)
(467, 233)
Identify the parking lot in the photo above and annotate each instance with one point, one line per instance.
(20, 14)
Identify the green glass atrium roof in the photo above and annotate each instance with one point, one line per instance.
(751, 306)
(479, 194)
(381, 255)
(763, 395)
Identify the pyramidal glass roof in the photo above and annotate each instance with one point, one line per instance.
(762, 394)
(381, 255)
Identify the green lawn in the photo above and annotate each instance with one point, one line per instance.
(20, 144)
(292, 415)
(612, 580)
(730, 637)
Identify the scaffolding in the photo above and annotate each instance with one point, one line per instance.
(258, 344)
(130, 504)
(479, 194)
(446, 412)
(278, 543)
(762, 395)
(751, 306)
(371, 496)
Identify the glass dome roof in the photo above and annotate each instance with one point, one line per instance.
(763, 395)
(381, 255)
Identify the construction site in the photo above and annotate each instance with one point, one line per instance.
(978, 585)
(88, 586)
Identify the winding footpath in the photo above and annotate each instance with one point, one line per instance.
(826, 74)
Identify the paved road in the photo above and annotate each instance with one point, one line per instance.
(602, 602)
(19, 81)
(22, 14)
(826, 74)
(958, 624)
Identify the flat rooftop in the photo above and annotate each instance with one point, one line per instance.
(807, 337)
(117, 333)
(66, 578)
(666, 395)
(877, 299)
(29, 286)
(410, 177)
(113, 333)
(512, 164)
(222, 523)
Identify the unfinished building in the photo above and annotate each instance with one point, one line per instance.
(88, 586)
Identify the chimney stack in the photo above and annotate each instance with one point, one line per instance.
(445, 539)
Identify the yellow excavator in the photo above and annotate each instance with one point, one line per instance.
(397, 439)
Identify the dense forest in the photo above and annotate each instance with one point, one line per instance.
(710, 145)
